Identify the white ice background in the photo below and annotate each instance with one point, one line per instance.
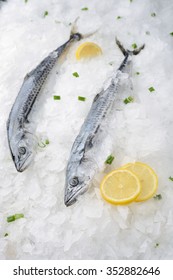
(143, 130)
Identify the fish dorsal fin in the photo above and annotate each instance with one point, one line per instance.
(26, 76)
(29, 74)
(98, 95)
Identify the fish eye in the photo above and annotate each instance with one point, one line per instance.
(22, 150)
(74, 181)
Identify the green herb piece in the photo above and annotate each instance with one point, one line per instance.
(137, 73)
(18, 216)
(171, 33)
(156, 245)
(84, 9)
(151, 89)
(75, 74)
(14, 217)
(147, 32)
(6, 234)
(47, 142)
(109, 159)
(157, 197)
(46, 13)
(153, 14)
(81, 98)
(171, 178)
(44, 144)
(11, 219)
(131, 1)
(129, 99)
(118, 17)
(26, 1)
(56, 97)
(134, 46)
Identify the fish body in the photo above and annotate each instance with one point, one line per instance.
(20, 139)
(82, 164)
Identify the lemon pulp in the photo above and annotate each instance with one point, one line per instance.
(88, 50)
(120, 187)
(147, 177)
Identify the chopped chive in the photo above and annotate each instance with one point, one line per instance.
(137, 73)
(18, 216)
(151, 89)
(171, 33)
(171, 178)
(6, 234)
(153, 14)
(81, 98)
(156, 245)
(26, 1)
(11, 219)
(131, 1)
(157, 197)
(47, 142)
(129, 99)
(147, 32)
(109, 159)
(75, 74)
(14, 217)
(118, 17)
(56, 97)
(134, 46)
(46, 13)
(44, 144)
(84, 9)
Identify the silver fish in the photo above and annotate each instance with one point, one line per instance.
(82, 164)
(20, 139)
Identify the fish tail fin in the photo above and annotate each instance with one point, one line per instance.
(74, 27)
(90, 33)
(74, 31)
(125, 51)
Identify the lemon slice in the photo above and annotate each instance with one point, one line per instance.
(120, 186)
(87, 50)
(147, 177)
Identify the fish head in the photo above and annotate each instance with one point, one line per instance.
(21, 148)
(78, 179)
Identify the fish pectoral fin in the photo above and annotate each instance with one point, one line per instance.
(90, 140)
(88, 164)
(89, 143)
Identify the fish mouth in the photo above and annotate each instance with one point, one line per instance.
(21, 166)
(70, 200)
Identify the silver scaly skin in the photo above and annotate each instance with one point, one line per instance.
(82, 164)
(21, 141)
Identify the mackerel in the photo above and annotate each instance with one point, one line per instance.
(82, 163)
(20, 138)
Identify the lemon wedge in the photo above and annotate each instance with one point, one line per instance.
(88, 50)
(147, 177)
(120, 186)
